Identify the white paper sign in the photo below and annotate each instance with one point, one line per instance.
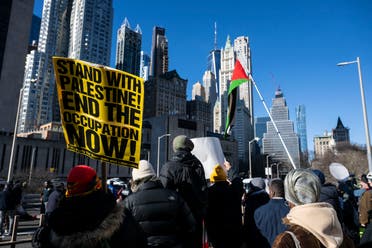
(209, 151)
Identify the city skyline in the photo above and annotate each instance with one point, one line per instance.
(294, 45)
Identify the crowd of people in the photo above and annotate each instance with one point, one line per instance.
(181, 208)
(10, 205)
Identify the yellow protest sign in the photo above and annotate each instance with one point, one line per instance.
(101, 110)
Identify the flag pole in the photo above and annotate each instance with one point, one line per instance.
(268, 112)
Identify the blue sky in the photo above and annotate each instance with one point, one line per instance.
(294, 44)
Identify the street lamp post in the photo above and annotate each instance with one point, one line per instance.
(366, 129)
(10, 168)
(158, 162)
(249, 155)
(267, 164)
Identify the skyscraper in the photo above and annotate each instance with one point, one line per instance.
(159, 52)
(128, 48)
(198, 92)
(227, 67)
(301, 127)
(214, 61)
(243, 53)
(144, 66)
(35, 29)
(39, 100)
(260, 127)
(214, 66)
(79, 29)
(209, 82)
(91, 31)
(271, 141)
(15, 24)
(243, 129)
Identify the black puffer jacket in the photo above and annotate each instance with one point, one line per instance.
(90, 221)
(162, 214)
(185, 174)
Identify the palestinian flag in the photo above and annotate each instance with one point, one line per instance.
(239, 76)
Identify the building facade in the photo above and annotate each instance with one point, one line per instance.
(271, 141)
(144, 66)
(260, 127)
(214, 66)
(165, 95)
(75, 29)
(91, 31)
(243, 128)
(198, 92)
(15, 24)
(128, 48)
(39, 103)
(159, 52)
(301, 127)
(323, 144)
(341, 133)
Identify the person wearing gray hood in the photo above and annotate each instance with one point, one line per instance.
(311, 224)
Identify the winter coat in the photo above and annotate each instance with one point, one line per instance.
(254, 199)
(224, 215)
(268, 218)
(10, 199)
(184, 173)
(91, 221)
(315, 225)
(2, 201)
(54, 199)
(328, 193)
(365, 206)
(163, 215)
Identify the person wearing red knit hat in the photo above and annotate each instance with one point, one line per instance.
(89, 217)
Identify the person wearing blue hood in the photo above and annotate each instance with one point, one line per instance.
(328, 193)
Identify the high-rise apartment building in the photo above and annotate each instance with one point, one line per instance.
(15, 24)
(159, 52)
(128, 48)
(91, 31)
(301, 127)
(144, 66)
(39, 99)
(271, 141)
(79, 29)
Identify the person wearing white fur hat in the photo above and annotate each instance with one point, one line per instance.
(162, 213)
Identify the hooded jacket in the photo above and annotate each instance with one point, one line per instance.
(163, 215)
(315, 225)
(184, 173)
(91, 221)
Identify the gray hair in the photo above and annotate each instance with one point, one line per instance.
(301, 186)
